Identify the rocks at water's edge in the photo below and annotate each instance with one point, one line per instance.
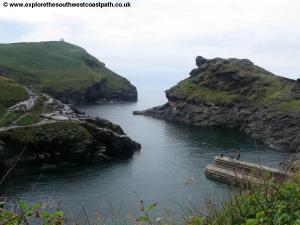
(62, 135)
(83, 142)
(235, 93)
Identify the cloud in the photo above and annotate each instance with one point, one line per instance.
(160, 39)
(10, 30)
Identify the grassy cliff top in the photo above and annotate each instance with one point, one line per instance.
(56, 66)
(11, 92)
(223, 81)
(68, 131)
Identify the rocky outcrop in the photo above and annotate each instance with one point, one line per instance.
(237, 94)
(85, 142)
(52, 133)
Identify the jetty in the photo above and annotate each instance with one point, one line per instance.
(235, 171)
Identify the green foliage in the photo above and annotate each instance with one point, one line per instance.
(9, 118)
(10, 93)
(270, 204)
(56, 67)
(196, 92)
(269, 88)
(28, 119)
(26, 214)
(2, 111)
(145, 218)
(66, 132)
(291, 105)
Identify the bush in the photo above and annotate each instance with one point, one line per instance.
(277, 204)
(25, 214)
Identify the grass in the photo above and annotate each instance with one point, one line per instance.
(29, 119)
(56, 67)
(268, 204)
(2, 111)
(293, 105)
(11, 92)
(40, 107)
(67, 132)
(204, 93)
(9, 118)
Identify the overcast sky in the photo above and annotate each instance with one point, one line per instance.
(158, 40)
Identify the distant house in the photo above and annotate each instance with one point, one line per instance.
(61, 39)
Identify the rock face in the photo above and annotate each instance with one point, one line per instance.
(85, 142)
(236, 93)
(100, 91)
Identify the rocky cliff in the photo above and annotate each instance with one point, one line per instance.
(37, 130)
(235, 93)
(84, 142)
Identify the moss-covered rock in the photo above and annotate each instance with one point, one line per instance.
(68, 141)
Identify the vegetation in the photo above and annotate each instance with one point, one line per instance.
(291, 105)
(2, 111)
(9, 118)
(204, 93)
(25, 214)
(228, 81)
(40, 107)
(271, 204)
(56, 67)
(28, 119)
(65, 132)
(10, 93)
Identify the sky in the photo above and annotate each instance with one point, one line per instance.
(156, 41)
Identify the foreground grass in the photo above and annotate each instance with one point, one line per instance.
(270, 204)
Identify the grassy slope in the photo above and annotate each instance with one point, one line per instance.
(56, 66)
(265, 89)
(10, 94)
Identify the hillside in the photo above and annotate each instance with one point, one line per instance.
(53, 133)
(63, 70)
(10, 94)
(236, 93)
